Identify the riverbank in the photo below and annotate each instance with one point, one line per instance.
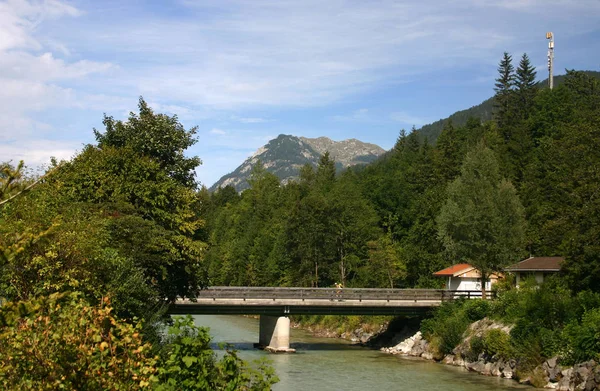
(358, 329)
(402, 337)
(550, 374)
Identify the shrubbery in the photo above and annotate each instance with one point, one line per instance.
(446, 328)
(62, 342)
(497, 343)
(187, 362)
(547, 320)
(583, 338)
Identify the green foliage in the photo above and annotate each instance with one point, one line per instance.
(450, 321)
(157, 136)
(497, 343)
(482, 222)
(188, 363)
(476, 347)
(476, 309)
(583, 338)
(504, 89)
(62, 342)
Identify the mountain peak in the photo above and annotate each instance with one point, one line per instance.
(286, 154)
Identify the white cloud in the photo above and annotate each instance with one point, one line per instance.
(220, 57)
(32, 78)
(19, 19)
(36, 153)
(312, 53)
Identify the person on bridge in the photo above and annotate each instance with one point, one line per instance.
(338, 291)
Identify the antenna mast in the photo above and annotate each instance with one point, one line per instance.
(550, 36)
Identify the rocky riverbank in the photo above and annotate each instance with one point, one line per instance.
(551, 374)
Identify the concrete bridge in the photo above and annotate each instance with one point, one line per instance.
(274, 305)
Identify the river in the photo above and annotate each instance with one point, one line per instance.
(332, 364)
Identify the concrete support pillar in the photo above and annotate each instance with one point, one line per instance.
(274, 333)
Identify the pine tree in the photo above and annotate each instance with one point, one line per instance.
(525, 84)
(504, 87)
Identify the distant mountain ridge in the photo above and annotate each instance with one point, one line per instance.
(286, 154)
(482, 111)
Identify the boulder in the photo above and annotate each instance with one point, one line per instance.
(477, 366)
(365, 337)
(580, 375)
(487, 369)
(458, 361)
(408, 344)
(551, 362)
(427, 356)
(565, 382)
(419, 348)
(497, 367)
(449, 359)
(508, 372)
(554, 374)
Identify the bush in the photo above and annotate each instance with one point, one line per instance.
(497, 343)
(583, 339)
(447, 326)
(188, 363)
(476, 347)
(476, 309)
(62, 342)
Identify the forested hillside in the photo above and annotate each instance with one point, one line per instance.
(482, 111)
(384, 226)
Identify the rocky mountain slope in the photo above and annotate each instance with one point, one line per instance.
(285, 155)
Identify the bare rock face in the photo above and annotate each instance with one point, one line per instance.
(285, 155)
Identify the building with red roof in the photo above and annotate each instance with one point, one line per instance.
(464, 277)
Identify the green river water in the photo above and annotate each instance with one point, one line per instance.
(331, 364)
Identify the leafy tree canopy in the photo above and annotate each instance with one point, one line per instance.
(159, 136)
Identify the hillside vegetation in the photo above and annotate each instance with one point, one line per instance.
(381, 226)
(482, 111)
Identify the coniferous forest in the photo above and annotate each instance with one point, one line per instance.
(530, 174)
(93, 251)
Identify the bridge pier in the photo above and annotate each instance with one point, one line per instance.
(274, 334)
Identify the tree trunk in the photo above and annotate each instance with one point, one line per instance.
(484, 276)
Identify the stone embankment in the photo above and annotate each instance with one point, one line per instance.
(583, 376)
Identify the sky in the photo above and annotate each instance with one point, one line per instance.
(245, 71)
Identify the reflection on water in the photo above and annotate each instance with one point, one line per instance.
(331, 364)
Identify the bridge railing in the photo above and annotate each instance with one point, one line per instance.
(359, 294)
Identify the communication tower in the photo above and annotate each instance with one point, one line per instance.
(550, 37)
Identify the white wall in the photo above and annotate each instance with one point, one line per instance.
(467, 284)
(539, 276)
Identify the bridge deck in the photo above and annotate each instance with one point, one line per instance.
(346, 301)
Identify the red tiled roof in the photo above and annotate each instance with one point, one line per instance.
(532, 264)
(452, 270)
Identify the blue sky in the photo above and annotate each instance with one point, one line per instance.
(245, 71)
